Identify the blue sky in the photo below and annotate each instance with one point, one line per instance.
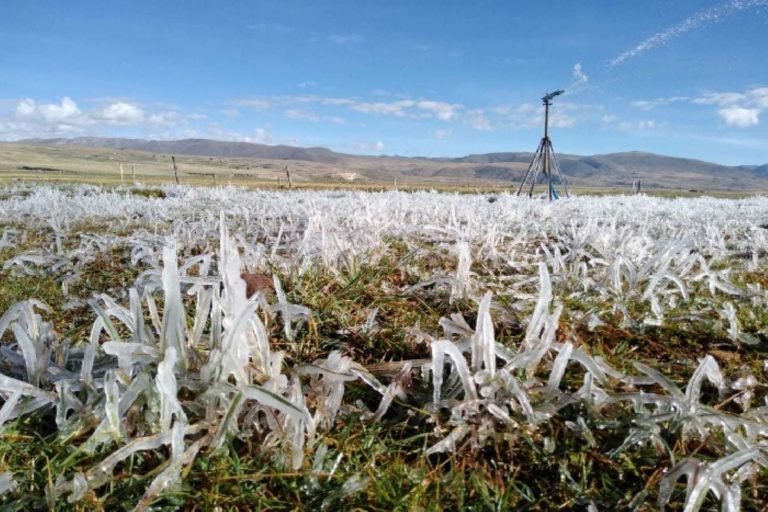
(432, 78)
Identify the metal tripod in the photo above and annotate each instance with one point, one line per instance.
(544, 160)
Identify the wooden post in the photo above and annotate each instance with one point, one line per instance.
(133, 171)
(214, 177)
(288, 174)
(121, 173)
(175, 169)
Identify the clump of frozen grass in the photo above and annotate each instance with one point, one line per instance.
(461, 284)
(502, 390)
(703, 478)
(131, 384)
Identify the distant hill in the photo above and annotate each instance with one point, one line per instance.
(761, 171)
(610, 170)
(197, 147)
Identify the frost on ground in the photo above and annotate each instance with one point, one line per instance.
(180, 362)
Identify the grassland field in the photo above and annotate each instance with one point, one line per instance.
(369, 302)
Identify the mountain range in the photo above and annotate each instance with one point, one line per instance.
(609, 170)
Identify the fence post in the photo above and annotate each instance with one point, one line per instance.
(175, 169)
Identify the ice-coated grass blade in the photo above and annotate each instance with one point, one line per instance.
(440, 349)
(272, 399)
(173, 329)
(166, 388)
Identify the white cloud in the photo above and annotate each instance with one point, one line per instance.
(561, 120)
(301, 114)
(443, 134)
(521, 110)
(33, 119)
(744, 142)
(640, 126)
(306, 115)
(740, 109)
(65, 111)
(171, 118)
(422, 109)
(739, 116)
(264, 103)
(658, 102)
(254, 103)
(527, 116)
(394, 108)
(720, 98)
(479, 121)
(261, 135)
(330, 101)
(370, 147)
(441, 110)
(122, 113)
(759, 96)
(65, 118)
(404, 108)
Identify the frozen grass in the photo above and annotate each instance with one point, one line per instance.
(422, 350)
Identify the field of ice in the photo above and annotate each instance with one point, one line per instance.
(183, 359)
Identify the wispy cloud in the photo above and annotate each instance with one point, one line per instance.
(522, 116)
(405, 108)
(744, 142)
(346, 38)
(658, 102)
(260, 135)
(526, 116)
(423, 109)
(739, 109)
(230, 113)
(254, 103)
(699, 19)
(478, 120)
(370, 147)
(308, 115)
(720, 98)
(641, 125)
(423, 47)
